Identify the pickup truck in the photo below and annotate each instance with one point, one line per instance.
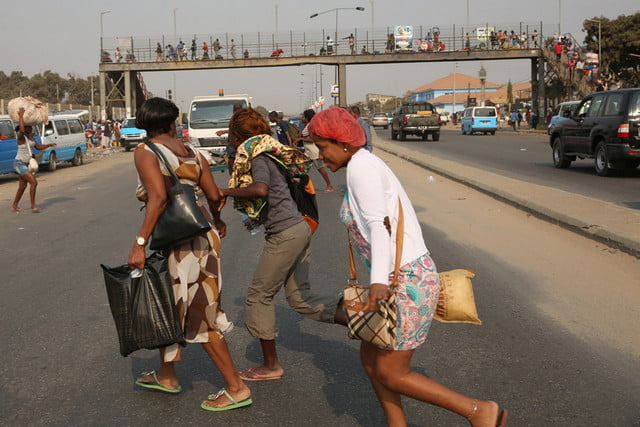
(416, 118)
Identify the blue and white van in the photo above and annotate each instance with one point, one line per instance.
(67, 131)
(479, 119)
(9, 143)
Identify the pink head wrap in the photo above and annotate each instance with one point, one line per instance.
(337, 124)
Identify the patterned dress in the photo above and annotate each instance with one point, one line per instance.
(194, 266)
(417, 291)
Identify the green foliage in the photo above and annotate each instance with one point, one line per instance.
(509, 93)
(620, 41)
(47, 87)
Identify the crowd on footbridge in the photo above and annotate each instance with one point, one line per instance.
(353, 42)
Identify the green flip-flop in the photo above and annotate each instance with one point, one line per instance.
(234, 405)
(156, 385)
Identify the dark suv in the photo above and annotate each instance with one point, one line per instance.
(605, 127)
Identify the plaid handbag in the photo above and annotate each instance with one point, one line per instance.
(379, 327)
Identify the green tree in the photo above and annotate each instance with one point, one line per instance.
(509, 94)
(619, 43)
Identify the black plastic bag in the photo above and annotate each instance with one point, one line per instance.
(143, 308)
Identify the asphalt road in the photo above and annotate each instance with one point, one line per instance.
(527, 156)
(557, 347)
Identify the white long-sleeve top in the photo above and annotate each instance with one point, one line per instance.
(373, 192)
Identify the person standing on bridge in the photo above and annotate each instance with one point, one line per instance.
(216, 49)
(194, 50)
(194, 265)
(370, 212)
(233, 48)
(205, 51)
(330, 45)
(158, 52)
(258, 186)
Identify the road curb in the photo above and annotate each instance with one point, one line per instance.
(583, 225)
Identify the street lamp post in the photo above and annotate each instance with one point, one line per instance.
(336, 10)
(373, 39)
(483, 77)
(453, 109)
(92, 103)
(360, 8)
(600, 67)
(467, 13)
(559, 16)
(175, 43)
(276, 35)
(101, 31)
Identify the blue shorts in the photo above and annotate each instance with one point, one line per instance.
(20, 167)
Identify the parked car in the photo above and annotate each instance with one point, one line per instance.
(416, 118)
(380, 119)
(479, 119)
(130, 135)
(605, 127)
(9, 143)
(444, 118)
(561, 112)
(67, 132)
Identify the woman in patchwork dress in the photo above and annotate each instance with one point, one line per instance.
(370, 211)
(194, 265)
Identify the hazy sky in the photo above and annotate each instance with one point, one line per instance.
(64, 36)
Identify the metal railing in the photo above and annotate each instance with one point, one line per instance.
(304, 43)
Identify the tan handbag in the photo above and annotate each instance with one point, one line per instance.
(379, 327)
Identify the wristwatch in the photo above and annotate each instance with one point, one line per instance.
(141, 241)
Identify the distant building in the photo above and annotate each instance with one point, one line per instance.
(440, 92)
(372, 97)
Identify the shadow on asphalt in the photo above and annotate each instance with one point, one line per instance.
(48, 202)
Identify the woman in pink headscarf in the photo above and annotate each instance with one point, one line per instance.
(370, 211)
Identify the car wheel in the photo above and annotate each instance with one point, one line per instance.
(77, 158)
(493, 132)
(464, 132)
(559, 159)
(435, 136)
(425, 136)
(53, 162)
(601, 160)
(386, 127)
(403, 136)
(394, 135)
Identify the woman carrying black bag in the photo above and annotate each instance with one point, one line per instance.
(194, 264)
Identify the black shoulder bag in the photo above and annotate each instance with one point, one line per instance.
(182, 219)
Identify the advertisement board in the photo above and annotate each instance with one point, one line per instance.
(403, 36)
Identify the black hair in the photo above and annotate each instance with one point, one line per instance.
(156, 116)
(308, 114)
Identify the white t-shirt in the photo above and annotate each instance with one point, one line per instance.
(23, 151)
(310, 148)
(374, 192)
